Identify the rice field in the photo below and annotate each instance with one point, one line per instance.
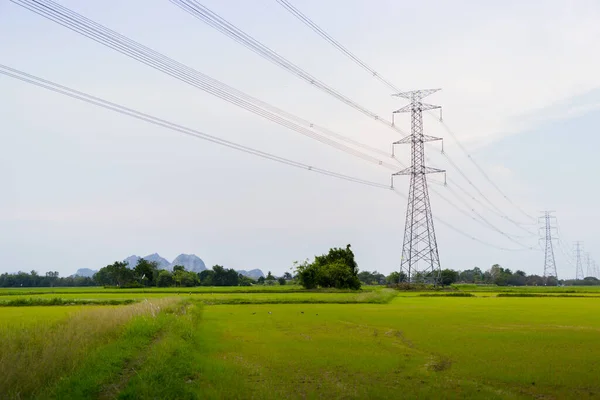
(292, 344)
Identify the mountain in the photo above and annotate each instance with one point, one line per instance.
(254, 273)
(132, 261)
(162, 263)
(85, 272)
(191, 262)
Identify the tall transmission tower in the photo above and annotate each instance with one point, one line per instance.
(588, 262)
(578, 266)
(420, 258)
(549, 261)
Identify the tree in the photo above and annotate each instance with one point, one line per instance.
(146, 271)
(282, 281)
(206, 277)
(307, 274)
(178, 268)
(116, 274)
(448, 276)
(393, 278)
(270, 277)
(287, 276)
(164, 279)
(366, 277)
(335, 269)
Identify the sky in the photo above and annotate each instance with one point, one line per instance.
(83, 187)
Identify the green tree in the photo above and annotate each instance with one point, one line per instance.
(448, 276)
(146, 271)
(206, 277)
(335, 269)
(164, 279)
(116, 274)
(282, 281)
(393, 278)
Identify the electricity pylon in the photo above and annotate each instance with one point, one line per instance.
(549, 261)
(578, 266)
(419, 244)
(588, 261)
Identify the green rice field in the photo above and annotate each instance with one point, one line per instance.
(237, 343)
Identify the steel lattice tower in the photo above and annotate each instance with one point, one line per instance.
(419, 244)
(578, 266)
(588, 261)
(549, 261)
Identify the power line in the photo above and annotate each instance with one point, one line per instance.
(321, 32)
(90, 29)
(214, 20)
(111, 39)
(307, 21)
(75, 94)
(31, 79)
(481, 170)
(468, 236)
(481, 219)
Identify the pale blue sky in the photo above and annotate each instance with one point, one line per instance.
(83, 187)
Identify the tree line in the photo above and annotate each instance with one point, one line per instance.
(335, 269)
(50, 279)
(496, 275)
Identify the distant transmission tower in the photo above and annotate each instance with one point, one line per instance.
(549, 261)
(419, 235)
(588, 262)
(578, 266)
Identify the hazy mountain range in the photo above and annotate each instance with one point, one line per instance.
(191, 262)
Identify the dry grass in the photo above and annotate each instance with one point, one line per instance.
(33, 356)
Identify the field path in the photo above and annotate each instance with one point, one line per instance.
(111, 390)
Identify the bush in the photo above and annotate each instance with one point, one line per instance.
(165, 279)
(337, 269)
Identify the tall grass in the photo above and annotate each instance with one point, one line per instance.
(35, 356)
(57, 301)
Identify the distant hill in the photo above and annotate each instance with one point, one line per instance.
(162, 263)
(191, 262)
(132, 261)
(254, 273)
(85, 272)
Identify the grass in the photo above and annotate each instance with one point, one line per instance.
(376, 344)
(454, 294)
(378, 295)
(527, 289)
(57, 301)
(172, 290)
(32, 356)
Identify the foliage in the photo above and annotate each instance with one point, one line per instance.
(220, 276)
(165, 279)
(371, 278)
(448, 276)
(336, 269)
(116, 274)
(57, 301)
(281, 281)
(51, 279)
